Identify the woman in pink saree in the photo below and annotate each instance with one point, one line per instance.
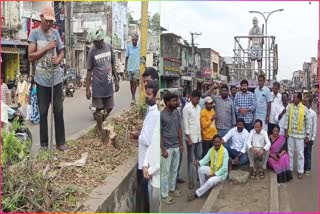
(278, 158)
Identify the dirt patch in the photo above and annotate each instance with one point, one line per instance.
(253, 196)
(43, 185)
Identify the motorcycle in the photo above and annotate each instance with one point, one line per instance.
(68, 86)
(11, 114)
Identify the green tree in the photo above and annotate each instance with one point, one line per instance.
(131, 19)
(154, 23)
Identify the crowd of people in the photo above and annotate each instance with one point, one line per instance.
(25, 98)
(237, 128)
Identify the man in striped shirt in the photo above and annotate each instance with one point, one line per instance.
(245, 105)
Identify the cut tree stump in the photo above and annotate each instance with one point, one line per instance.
(108, 136)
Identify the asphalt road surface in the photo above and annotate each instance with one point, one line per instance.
(77, 115)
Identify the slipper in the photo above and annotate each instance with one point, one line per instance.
(168, 200)
(176, 193)
(253, 175)
(261, 173)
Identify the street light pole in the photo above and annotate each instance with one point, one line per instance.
(267, 51)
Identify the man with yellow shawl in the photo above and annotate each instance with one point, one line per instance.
(297, 130)
(214, 174)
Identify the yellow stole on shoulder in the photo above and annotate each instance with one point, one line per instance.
(219, 160)
(300, 118)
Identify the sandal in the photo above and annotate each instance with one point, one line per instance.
(261, 173)
(253, 175)
(176, 193)
(168, 200)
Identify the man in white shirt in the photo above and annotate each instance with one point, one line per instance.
(237, 150)
(281, 110)
(192, 129)
(145, 139)
(313, 134)
(151, 169)
(258, 149)
(276, 103)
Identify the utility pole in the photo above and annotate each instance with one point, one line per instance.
(143, 47)
(193, 37)
(68, 33)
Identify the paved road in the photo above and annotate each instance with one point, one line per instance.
(77, 115)
(302, 195)
(182, 205)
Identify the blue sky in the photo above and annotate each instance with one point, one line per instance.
(296, 28)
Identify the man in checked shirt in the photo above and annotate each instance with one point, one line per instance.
(245, 105)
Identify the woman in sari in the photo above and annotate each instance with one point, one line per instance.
(278, 158)
(35, 116)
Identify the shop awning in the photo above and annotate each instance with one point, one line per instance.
(11, 42)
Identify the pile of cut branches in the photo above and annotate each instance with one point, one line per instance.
(61, 182)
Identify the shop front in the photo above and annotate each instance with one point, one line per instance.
(14, 59)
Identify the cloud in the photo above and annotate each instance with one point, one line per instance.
(296, 28)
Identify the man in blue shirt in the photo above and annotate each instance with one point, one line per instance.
(133, 65)
(263, 98)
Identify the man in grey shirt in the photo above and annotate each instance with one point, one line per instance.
(171, 146)
(225, 111)
(101, 68)
(46, 51)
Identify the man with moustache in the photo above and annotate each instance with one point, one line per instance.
(245, 105)
(275, 104)
(132, 65)
(263, 98)
(46, 51)
(214, 174)
(298, 131)
(101, 70)
(145, 139)
(192, 130)
(171, 146)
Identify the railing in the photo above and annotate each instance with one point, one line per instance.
(242, 64)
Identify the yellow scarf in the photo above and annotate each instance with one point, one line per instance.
(219, 161)
(300, 118)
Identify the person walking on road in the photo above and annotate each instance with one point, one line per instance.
(192, 129)
(101, 72)
(313, 134)
(145, 139)
(171, 146)
(133, 65)
(298, 131)
(46, 51)
(214, 174)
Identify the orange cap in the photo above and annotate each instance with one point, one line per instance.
(48, 13)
